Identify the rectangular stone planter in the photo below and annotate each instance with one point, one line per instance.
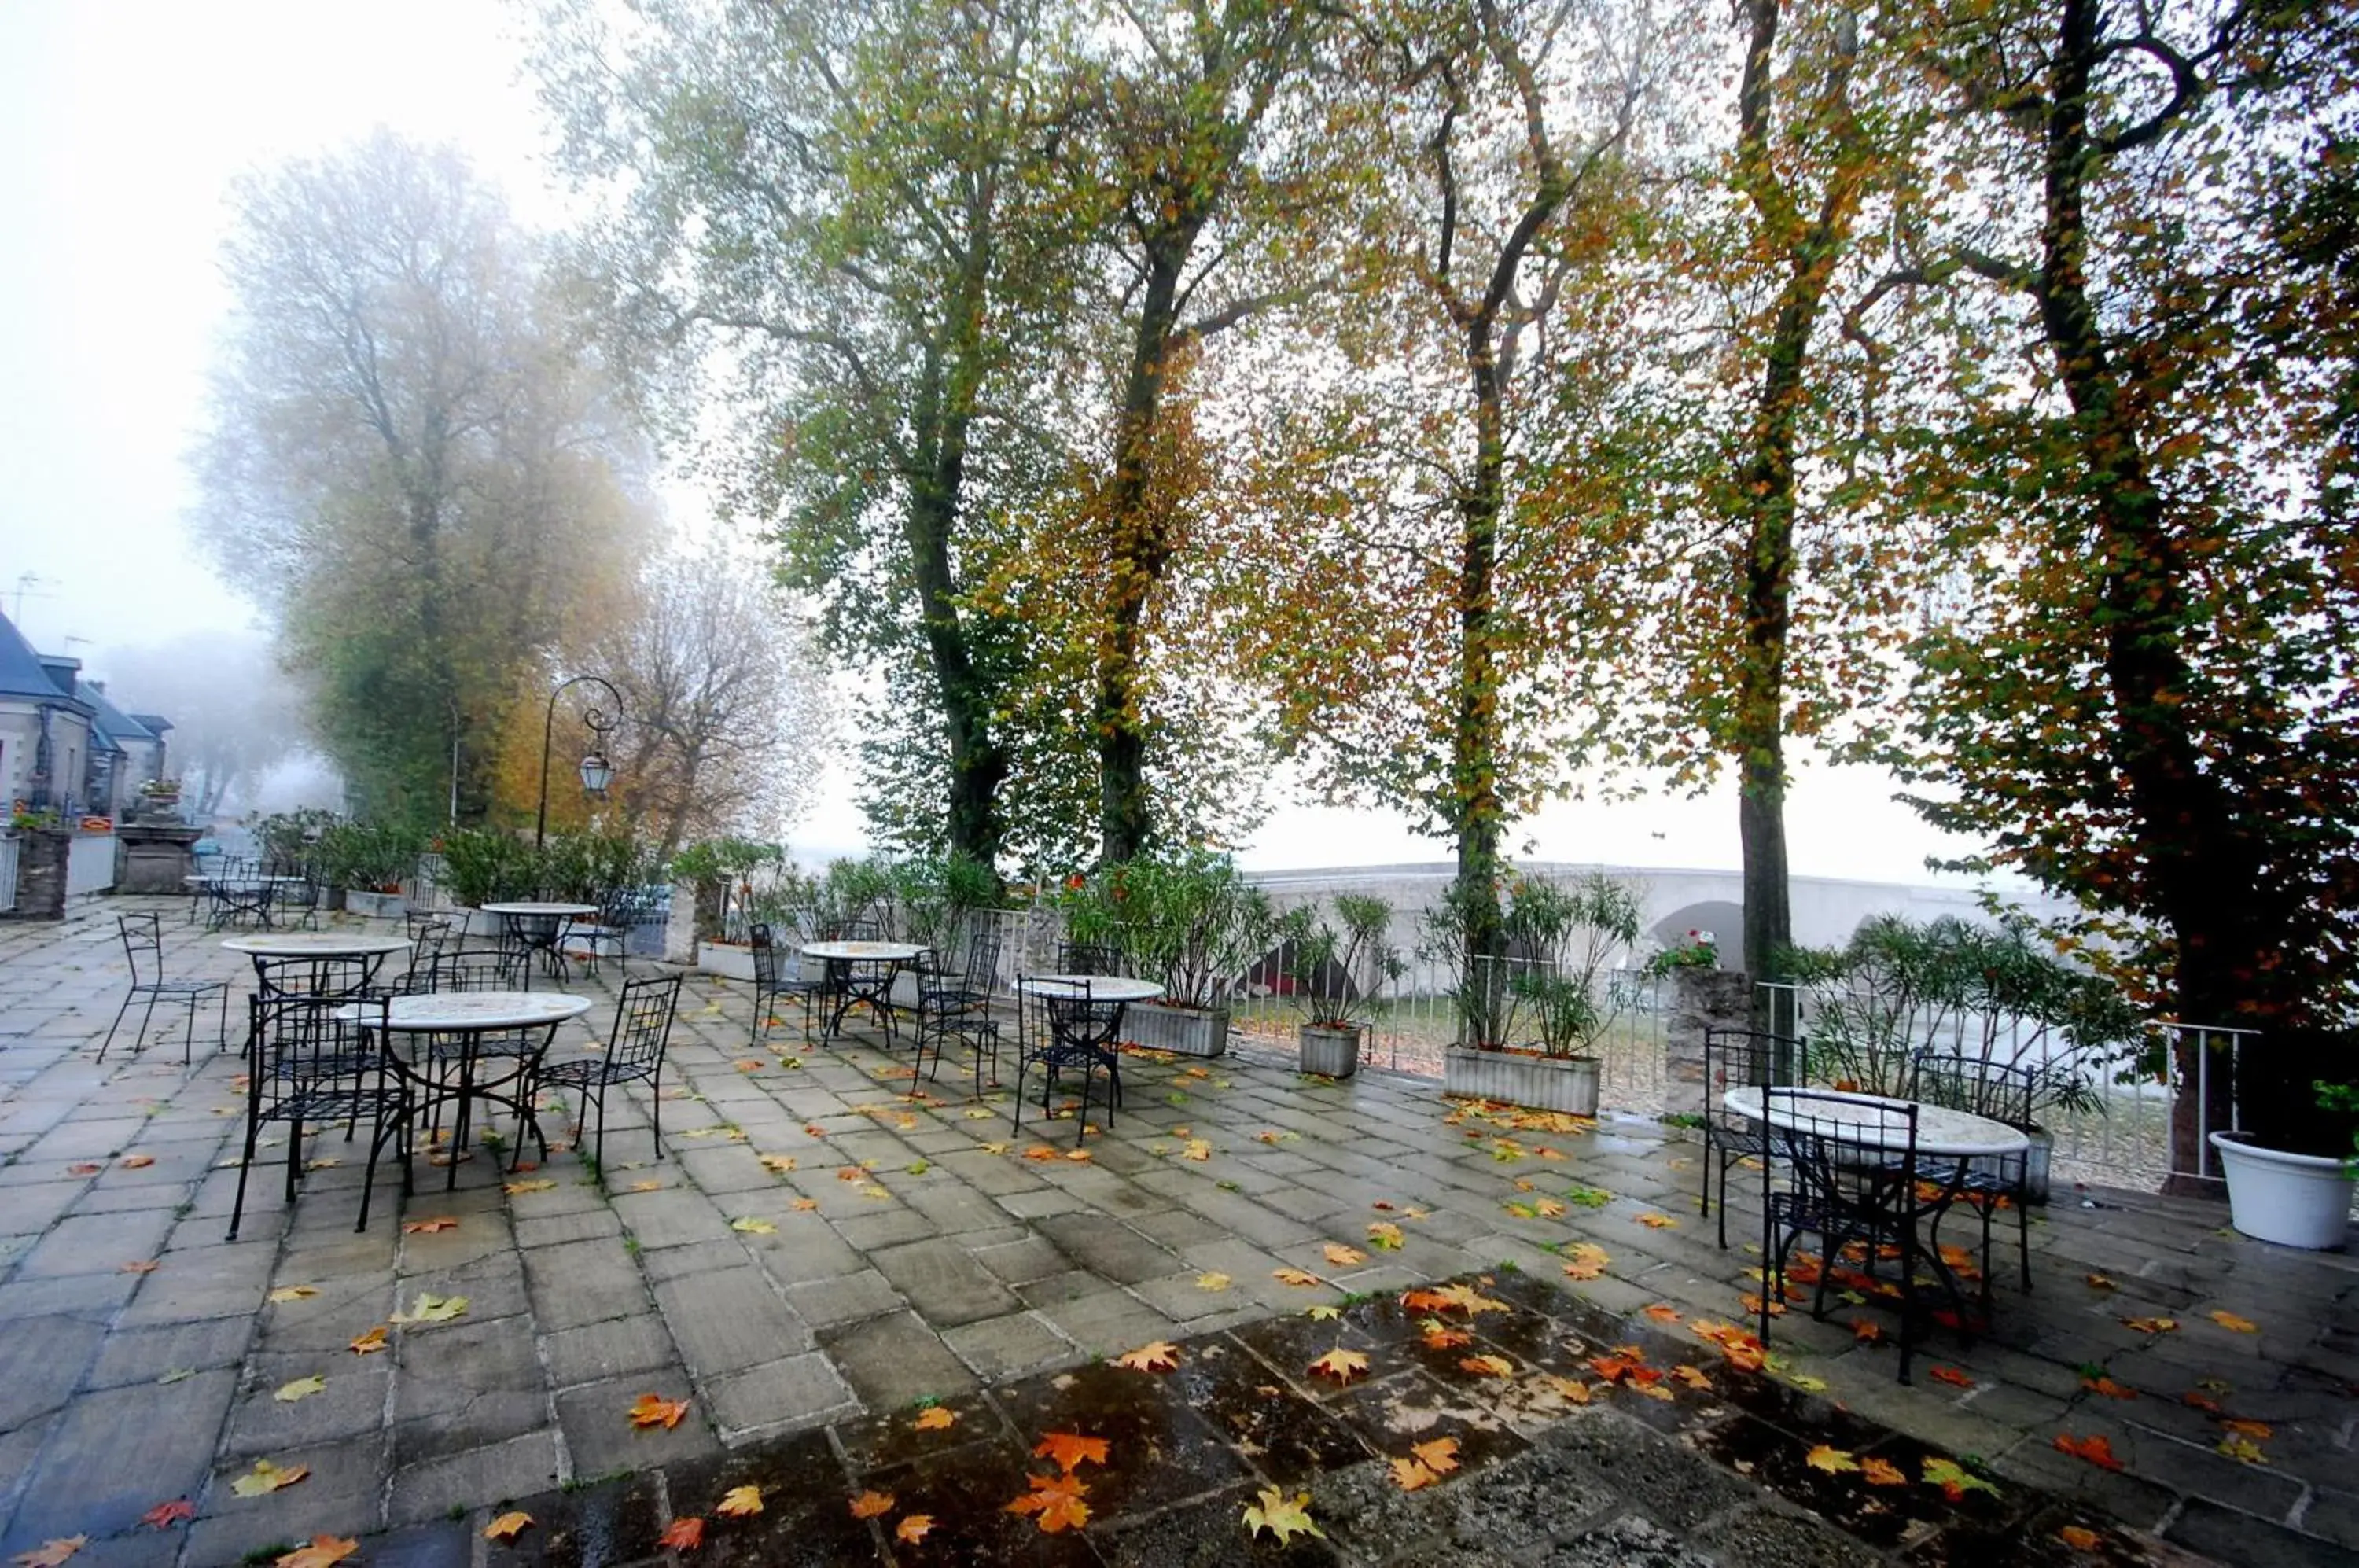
(377, 906)
(1185, 1032)
(727, 960)
(1564, 1084)
(1328, 1051)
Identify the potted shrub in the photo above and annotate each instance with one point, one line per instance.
(718, 876)
(483, 865)
(1190, 922)
(1328, 970)
(2294, 1196)
(1560, 939)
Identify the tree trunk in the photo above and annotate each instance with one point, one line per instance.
(2204, 874)
(1475, 808)
(1138, 548)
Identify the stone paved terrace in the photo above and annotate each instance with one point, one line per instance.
(915, 1252)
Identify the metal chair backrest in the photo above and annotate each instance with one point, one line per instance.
(983, 961)
(430, 936)
(766, 954)
(856, 931)
(471, 972)
(330, 976)
(642, 1016)
(309, 1040)
(143, 941)
(1749, 1059)
(1087, 958)
(1957, 1082)
(1849, 1157)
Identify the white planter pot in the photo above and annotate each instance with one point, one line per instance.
(379, 906)
(2294, 1199)
(1329, 1051)
(1564, 1084)
(728, 963)
(475, 922)
(1184, 1030)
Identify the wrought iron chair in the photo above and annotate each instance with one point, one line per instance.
(143, 944)
(852, 982)
(430, 936)
(295, 902)
(1088, 958)
(1062, 1024)
(956, 1005)
(1740, 1059)
(313, 1061)
(2004, 1092)
(1849, 1177)
(337, 976)
(772, 980)
(642, 1018)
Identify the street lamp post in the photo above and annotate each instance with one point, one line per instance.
(596, 771)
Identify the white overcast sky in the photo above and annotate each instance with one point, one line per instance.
(122, 124)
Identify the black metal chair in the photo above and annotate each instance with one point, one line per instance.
(2004, 1092)
(956, 1005)
(296, 901)
(1062, 1024)
(778, 974)
(143, 944)
(1740, 1059)
(341, 976)
(493, 970)
(314, 1061)
(1849, 1177)
(430, 936)
(1088, 958)
(642, 1018)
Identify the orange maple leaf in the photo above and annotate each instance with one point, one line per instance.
(1297, 1277)
(654, 1409)
(370, 1342)
(935, 1418)
(2080, 1538)
(1664, 1313)
(428, 1227)
(1487, 1366)
(1341, 1364)
(1440, 1335)
(1160, 1356)
(1881, 1473)
(1055, 1500)
(868, 1505)
(2233, 1324)
(1954, 1377)
(1658, 1221)
(1410, 1476)
(1424, 1301)
(508, 1526)
(2108, 1387)
(325, 1552)
(1039, 1151)
(164, 1516)
(682, 1535)
(1070, 1450)
(2096, 1449)
(912, 1529)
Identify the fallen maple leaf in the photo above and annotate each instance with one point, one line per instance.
(164, 1516)
(1488, 1366)
(1440, 1455)
(1881, 1473)
(1055, 1501)
(2244, 1428)
(507, 1527)
(2108, 1387)
(2233, 1324)
(1039, 1151)
(325, 1552)
(682, 1535)
(753, 1226)
(1693, 1377)
(2242, 1449)
(654, 1409)
(146, 1265)
(2151, 1325)
(431, 1307)
(1070, 1450)
(1212, 1281)
(1341, 1364)
(1343, 1257)
(1296, 1277)
(267, 1477)
(2080, 1538)
(137, 1162)
(540, 1184)
(1160, 1356)
(1585, 1260)
(300, 1388)
(2096, 1449)
(1197, 1148)
(868, 1505)
(1833, 1461)
(1955, 1480)
(935, 1418)
(294, 1292)
(1954, 1377)
(912, 1529)
(1658, 1221)
(84, 1167)
(740, 1502)
(50, 1553)
(1384, 1236)
(1663, 1312)
(1282, 1518)
(1573, 1390)
(804, 1205)
(2099, 1282)
(1440, 1335)
(1324, 1312)
(427, 1228)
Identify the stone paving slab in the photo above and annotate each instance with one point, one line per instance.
(918, 1248)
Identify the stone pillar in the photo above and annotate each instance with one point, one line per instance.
(153, 859)
(1700, 999)
(679, 928)
(41, 856)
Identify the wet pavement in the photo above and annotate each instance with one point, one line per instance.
(827, 1254)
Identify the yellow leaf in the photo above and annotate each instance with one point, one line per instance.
(267, 1477)
(50, 1553)
(300, 1388)
(2233, 1324)
(1573, 1390)
(1197, 1148)
(1160, 1356)
(325, 1552)
(1488, 1366)
(935, 1418)
(1343, 1257)
(370, 1342)
(740, 1502)
(1440, 1455)
(1281, 1517)
(753, 1226)
(1833, 1461)
(1384, 1236)
(293, 1293)
(2151, 1325)
(431, 1307)
(2080, 1538)
(1296, 1277)
(779, 1163)
(539, 1184)
(508, 1526)
(1410, 1476)
(1657, 1222)
(1324, 1312)
(1212, 1281)
(654, 1409)
(1341, 1364)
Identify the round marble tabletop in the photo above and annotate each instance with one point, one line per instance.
(541, 910)
(315, 945)
(1957, 1134)
(857, 952)
(1098, 987)
(237, 878)
(465, 1012)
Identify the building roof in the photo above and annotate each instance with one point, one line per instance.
(27, 675)
(154, 723)
(111, 724)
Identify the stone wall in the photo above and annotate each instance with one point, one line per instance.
(1697, 1000)
(41, 856)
